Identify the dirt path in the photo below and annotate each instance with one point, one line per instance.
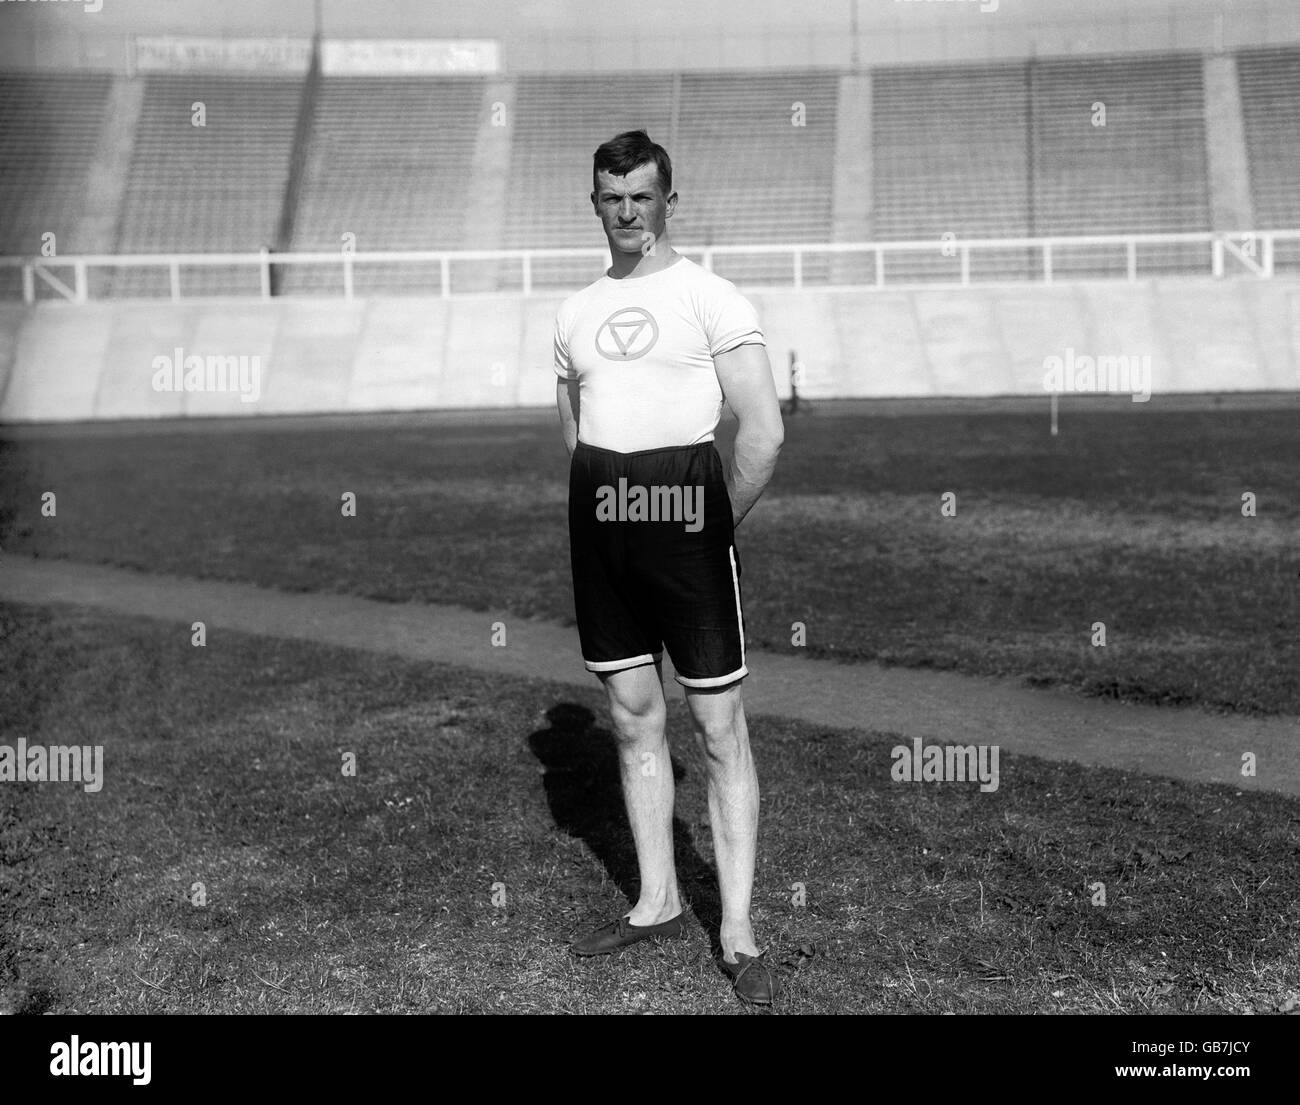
(935, 706)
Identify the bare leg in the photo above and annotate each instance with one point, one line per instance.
(719, 717)
(636, 703)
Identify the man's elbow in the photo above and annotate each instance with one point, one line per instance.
(774, 431)
(765, 437)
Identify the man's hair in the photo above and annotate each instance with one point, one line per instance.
(630, 150)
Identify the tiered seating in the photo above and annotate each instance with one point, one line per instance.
(49, 129)
(747, 174)
(972, 151)
(1144, 171)
(559, 122)
(215, 188)
(949, 157)
(1011, 150)
(1270, 105)
(390, 161)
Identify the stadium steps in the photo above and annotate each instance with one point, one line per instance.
(215, 188)
(106, 179)
(1270, 101)
(49, 132)
(390, 161)
(490, 191)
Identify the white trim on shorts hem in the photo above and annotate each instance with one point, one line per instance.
(621, 665)
(735, 587)
(742, 671)
(717, 681)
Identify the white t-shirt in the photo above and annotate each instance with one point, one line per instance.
(642, 351)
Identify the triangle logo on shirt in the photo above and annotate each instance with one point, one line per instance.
(628, 334)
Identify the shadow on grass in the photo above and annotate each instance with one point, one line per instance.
(585, 796)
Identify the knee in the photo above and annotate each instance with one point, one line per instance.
(638, 718)
(722, 739)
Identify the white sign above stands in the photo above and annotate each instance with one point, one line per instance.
(382, 56)
(345, 57)
(194, 53)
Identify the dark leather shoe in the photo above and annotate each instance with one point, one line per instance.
(752, 979)
(619, 934)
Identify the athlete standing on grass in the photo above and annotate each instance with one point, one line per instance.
(646, 355)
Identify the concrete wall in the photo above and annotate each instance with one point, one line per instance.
(62, 362)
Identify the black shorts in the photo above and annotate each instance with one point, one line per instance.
(656, 567)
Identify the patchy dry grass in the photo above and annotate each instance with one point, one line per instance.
(1131, 518)
(327, 893)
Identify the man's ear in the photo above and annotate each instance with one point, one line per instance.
(670, 206)
(594, 206)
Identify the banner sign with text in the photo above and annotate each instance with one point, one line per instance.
(192, 53)
(377, 56)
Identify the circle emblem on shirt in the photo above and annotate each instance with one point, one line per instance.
(627, 334)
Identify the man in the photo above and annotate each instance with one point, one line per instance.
(645, 357)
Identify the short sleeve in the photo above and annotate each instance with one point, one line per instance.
(729, 320)
(563, 362)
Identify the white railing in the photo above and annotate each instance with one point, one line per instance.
(1248, 252)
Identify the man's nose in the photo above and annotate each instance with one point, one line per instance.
(625, 210)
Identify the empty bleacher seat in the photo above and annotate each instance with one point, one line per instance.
(1270, 104)
(49, 129)
(1144, 171)
(950, 158)
(754, 158)
(389, 160)
(214, 188)
(559, 122)
(1020, 150)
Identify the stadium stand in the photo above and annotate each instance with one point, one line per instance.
(49, 127)
(207, 189)
(753, 160)
(388, 160)
(1144, 170)
(750, 168)
(1270, 102)
(971, 150)
(1013, 151)
(950, 157)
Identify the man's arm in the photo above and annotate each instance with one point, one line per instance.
(566, 399)
(746, 379)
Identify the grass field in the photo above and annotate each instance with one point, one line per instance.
(326, 892)
(1132, 517)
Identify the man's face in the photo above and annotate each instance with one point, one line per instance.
(632, 208)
